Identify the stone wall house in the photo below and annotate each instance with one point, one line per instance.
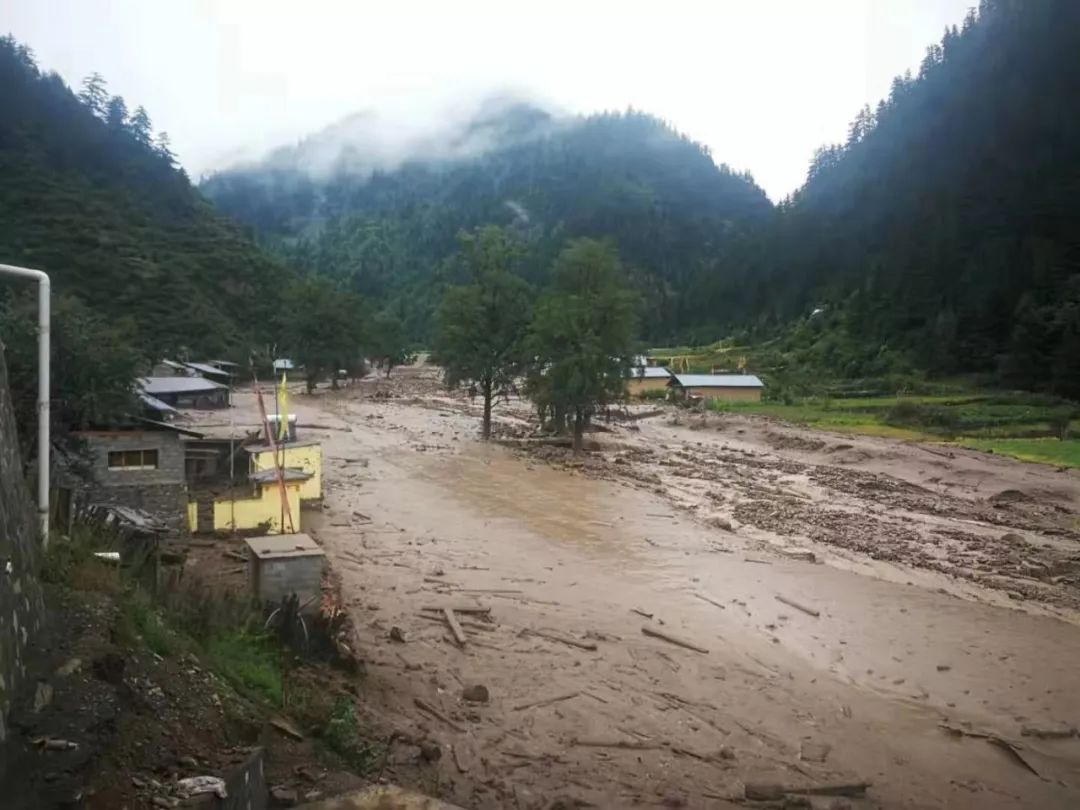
(139, 467)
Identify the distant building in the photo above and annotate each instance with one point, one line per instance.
(647, 378)
(254, 504)
(738, 387)
(186, 392)
(211, 372)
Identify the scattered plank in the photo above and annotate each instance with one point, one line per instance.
(237, 570)
(286, 728)
(658, 515)
(455, 628)
(756, 560)
(491, 590)
(711, 601)
(670, 639)
(546, 701)
(461, 609)
(850, 789)
(427, 708)
(1012, 752)
(640, 612)
(631, 745)
(570, 642)
(235, 555)
(792, 603)
(487, 628)
(441, 581)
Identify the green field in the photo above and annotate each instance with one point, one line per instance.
(1023, 426)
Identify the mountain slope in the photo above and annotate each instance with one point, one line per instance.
(945, 230)
(91, 199)
(629, 177)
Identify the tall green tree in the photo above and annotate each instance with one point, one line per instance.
(94, 95)
(387, 342)
(94, 363)
(322, 326)
(140, 125)
(583, 332)
(482, 324)
(116, 114)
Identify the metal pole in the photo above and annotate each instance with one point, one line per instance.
(43, 390)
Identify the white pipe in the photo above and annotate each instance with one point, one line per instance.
(43, 390)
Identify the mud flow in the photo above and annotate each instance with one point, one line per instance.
(702, 609)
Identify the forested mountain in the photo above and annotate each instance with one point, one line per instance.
(941, 236)
(945, 233)
(671, 210)
(90, 196)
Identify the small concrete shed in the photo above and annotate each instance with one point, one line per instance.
(283, 564)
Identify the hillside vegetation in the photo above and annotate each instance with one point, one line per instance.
(93, 198)
(671, 211)
(941, 237)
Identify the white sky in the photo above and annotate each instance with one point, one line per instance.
(761, 82)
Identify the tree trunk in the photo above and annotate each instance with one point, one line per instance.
(559, 420)
(309, 381)
(486, 429)
(579, 430)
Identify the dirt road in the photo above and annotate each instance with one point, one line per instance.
(941, 595)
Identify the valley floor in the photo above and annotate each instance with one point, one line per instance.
(934, 654)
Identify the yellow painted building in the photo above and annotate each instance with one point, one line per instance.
(646, 378)
(733, 387)
(262, 509)
(304, 456)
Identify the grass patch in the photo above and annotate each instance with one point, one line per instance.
(250, 663)
(342, 736)
(1062, 453)
(140, 620)
(931, 417)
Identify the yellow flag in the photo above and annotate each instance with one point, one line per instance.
(283, 410)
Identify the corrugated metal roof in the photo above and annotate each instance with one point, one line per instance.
(156, 404)
(177, 385)
(270, 476)
(649, 373)
(283, 545)
(718, 381)
(206, 368)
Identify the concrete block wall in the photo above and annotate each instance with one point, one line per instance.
(277, 578)
(170, 451)
(22, 610)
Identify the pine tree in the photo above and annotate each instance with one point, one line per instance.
(140, 125)
(163, 147)
(94, 95)
(116, 114)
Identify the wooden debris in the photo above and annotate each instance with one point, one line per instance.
(455, 628)
(792, 603)
(570, 642)
(641, 612)
(491, 590)
(461, 609)
(546, 701)
(850, 789)
(678, 642)
(426, 707)
(632, 745)
(487, 628)
(286, 728)
(235, 555)
(1012, 752)
(658, 515)
(710, 600)
(756, 560)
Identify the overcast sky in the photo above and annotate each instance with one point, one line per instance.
(761, 82)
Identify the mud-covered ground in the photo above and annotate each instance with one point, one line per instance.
(865, 611)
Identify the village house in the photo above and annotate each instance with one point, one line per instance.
(735, 387)
(139, 466)
(646, 378)
(211, 372)
(186, 392)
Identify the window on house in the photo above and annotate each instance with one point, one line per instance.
(133, 459)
